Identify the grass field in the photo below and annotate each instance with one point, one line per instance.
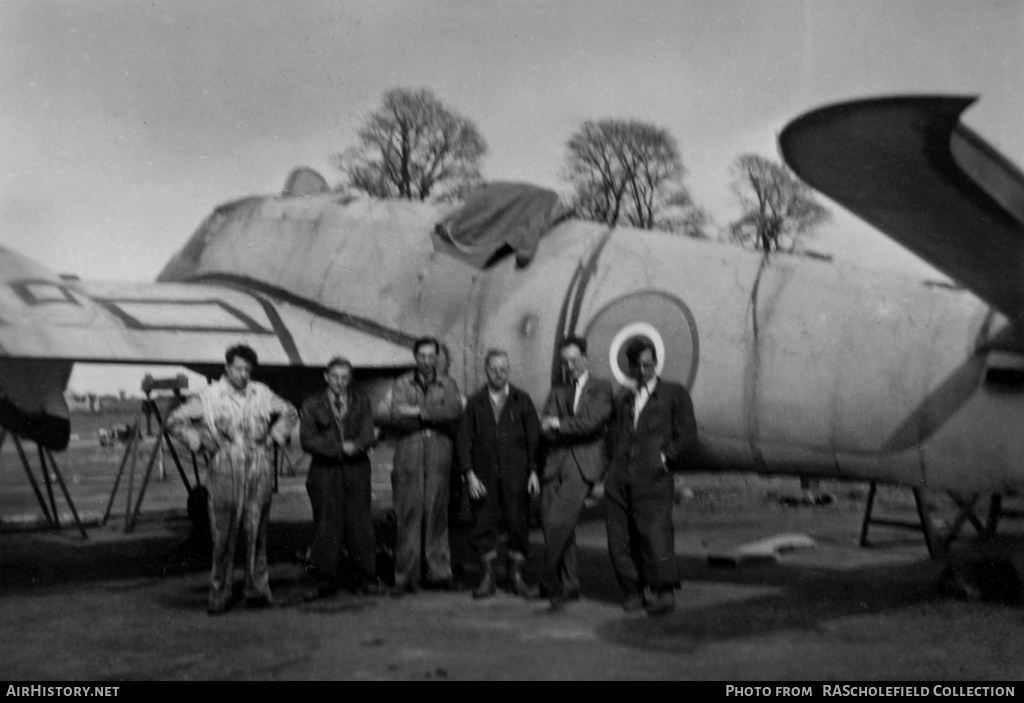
(87, 425)
(90, 470)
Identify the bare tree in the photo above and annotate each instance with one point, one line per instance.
(623, 171)
(411, 147)
(778, 209)
(681, 215)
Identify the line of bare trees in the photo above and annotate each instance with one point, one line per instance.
(621, 172)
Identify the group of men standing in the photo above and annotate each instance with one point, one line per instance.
(504, 451)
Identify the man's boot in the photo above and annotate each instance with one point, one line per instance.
(516, 584)
(486, 587)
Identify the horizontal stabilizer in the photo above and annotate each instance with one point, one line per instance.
(909, 167)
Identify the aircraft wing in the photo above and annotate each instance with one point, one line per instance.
(909, 167)
(46, 317)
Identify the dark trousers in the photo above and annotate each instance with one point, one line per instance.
(343, 524)
(419, 482)
(561, 501)
(641, 539)
(507, 501)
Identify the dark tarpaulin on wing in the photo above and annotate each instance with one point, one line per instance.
(500, 215)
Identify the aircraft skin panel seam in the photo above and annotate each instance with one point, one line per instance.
(753, 371)
(361, 324)
(473, 328)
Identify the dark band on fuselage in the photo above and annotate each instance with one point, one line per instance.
(284, 335)
(569, 315)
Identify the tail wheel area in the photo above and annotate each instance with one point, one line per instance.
(663, 319)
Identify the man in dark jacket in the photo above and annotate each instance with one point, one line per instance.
(337, 431)
(652, 429)
(497, 448)
(574, 420)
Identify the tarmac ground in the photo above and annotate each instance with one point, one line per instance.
(124, 606)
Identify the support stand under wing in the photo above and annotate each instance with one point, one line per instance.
(938, 541)
(47, 464)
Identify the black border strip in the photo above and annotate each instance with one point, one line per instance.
(22, 290)
(284, 335)
(574, 297)
(112, 305)
(249, 285)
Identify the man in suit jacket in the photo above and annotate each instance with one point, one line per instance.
(574, 420)
(337, 431)
(653, 428)
(497, 447)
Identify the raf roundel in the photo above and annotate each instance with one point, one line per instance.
(617, 350)
(663, 319)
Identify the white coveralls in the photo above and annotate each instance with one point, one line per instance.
(240, 478)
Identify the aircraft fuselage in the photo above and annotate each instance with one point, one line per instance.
(795, 365)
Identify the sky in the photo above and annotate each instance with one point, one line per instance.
(123, 124)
